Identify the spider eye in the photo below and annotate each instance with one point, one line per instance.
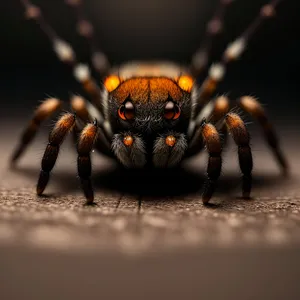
(126, 111)
(172, 111)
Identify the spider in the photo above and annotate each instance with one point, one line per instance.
(150, 114)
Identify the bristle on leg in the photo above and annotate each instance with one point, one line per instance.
(62, 127)
(86, 142)
(44, 111)
(213, 144)
(254, 108)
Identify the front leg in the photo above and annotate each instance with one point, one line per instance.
(169, 149)
(130, 150)
(62, 127)
(87, 139)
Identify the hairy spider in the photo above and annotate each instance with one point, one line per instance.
(150, 114)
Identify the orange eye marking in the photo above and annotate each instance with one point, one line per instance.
(112, 82)
(186, 83)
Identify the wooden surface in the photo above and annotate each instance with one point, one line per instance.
(149, 234)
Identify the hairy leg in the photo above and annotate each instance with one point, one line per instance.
(241, 137)
(79, 106)
(86, 30)
(43, 112)
(66, 54)
(213, 28)
(62, 127)
(86, 142)
(221, 108)
(233, 52)
(213, 144)
(214, 112)
(255, 109)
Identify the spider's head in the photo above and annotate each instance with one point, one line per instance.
(149, 104)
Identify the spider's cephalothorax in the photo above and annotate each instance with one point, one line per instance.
(149, 109)
(151, 114)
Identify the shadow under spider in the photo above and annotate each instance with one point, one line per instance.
(155, 183)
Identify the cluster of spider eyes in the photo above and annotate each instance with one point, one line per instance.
(127, 111)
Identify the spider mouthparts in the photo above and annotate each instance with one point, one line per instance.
(170, 140)
(128, 140)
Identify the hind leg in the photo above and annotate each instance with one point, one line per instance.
(255, 109)
(241, 137)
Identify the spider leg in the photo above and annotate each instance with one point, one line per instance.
(43, 112)
(220, 110)
(213, 28)
(213, 144)
(65, 53)
(233, 51)
(79, 106)
(214, 112)
(129, 149)
(86, 142)
(169, 149)
(86, 30)
(62, 127)
(255, 109)
(241, 137)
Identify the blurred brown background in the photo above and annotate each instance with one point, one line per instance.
(150, 29)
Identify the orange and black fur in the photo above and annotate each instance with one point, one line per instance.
(150, 114)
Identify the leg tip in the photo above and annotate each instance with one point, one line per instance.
(246, 196)
(12, 164)
(87, 188)
(40, 191)
(90, 202)
(42, 182)
(205, 200)
(13, 160)
(89, 199)
(285, 170)
(209, 189)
